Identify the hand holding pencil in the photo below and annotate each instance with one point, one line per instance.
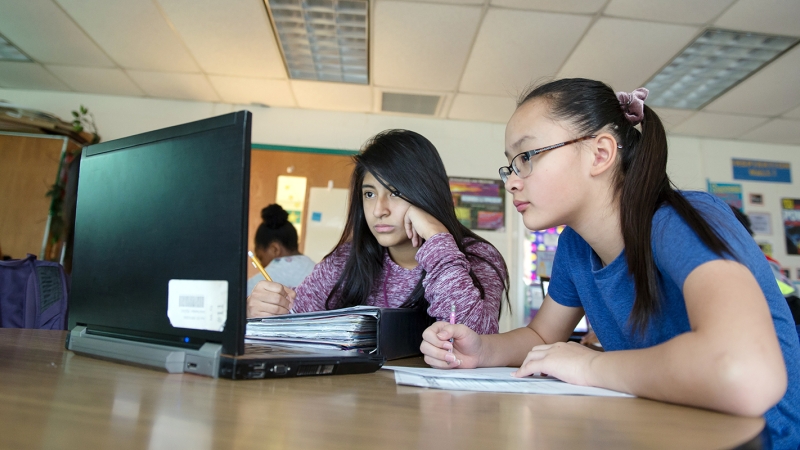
(257, 264)
(448, 346)
(268, 297)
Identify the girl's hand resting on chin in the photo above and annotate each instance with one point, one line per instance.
(421, 225)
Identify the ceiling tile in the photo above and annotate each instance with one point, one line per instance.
(482, 108)
(245, 91)
(181, 86)
(765, 16)
(675, 11)
(96, 80)
(332, 96)
(570, 6)
(515, 48)
(42, 30)
(778, 131)
(26, 75)
(724, 126)
(793, 114)
(771, 91)
(671, 118)
(421, 45)
(133, 32)
(228, 38)
(647, 48)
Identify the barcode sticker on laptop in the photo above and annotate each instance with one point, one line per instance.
(190, 301)
(198, 304)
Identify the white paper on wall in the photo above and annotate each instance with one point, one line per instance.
(325, 219)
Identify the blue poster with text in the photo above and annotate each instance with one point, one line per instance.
(748, 169)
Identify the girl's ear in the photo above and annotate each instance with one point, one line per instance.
(275, 249)
(604, 154)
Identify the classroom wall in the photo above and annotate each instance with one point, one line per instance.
(693, 161)
(468, 149)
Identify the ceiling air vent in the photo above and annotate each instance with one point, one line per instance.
(410, 103)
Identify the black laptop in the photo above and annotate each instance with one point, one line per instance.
(160, 257)
(583, 326)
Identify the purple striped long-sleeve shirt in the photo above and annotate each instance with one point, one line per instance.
(447, 282)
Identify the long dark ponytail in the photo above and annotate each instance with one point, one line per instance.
(640, 181)
(409, 165)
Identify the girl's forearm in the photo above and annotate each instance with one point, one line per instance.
(690, 371)
(507, 349)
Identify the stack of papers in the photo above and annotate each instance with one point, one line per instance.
(492, 379)
(344, 329)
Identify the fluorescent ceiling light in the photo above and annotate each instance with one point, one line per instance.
(324, 40)
(8, 52)
(715, 62)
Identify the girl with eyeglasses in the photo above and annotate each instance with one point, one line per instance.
(678, 293)
(402, 245)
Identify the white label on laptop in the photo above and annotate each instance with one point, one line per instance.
(198, 304)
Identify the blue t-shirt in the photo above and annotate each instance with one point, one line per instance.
(607, 293)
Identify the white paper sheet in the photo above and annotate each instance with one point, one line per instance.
(492, 379)
(198, 304)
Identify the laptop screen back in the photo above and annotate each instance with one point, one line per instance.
(583, 326)
(165, 205)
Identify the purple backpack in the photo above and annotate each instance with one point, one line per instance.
(33, 294)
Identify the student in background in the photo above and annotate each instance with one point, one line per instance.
(276, 249)
(679, 294)
(402, 245)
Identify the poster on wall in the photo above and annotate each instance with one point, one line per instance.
(765, 247)
(291, 195)
(772, 171)
(727, 192)
(760, 222)
(479, 203)
(791, 224)
(325, 221)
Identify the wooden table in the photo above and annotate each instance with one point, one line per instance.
(53, 399)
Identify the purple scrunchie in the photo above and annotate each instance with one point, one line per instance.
(633, 105)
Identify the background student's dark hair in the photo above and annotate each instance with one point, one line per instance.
(276, 227)
(743, 219)
(407, 164)
(641, 180)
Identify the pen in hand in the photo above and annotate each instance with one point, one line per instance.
(258, 266)
(452, 322)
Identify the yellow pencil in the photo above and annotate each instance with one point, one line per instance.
(258, 266)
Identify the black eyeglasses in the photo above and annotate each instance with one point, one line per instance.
(523, 167)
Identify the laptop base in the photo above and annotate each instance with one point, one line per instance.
(204, 361)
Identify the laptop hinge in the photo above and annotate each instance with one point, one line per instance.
(204, 361)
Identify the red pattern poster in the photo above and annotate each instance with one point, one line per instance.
(791, 224)
(479, 203)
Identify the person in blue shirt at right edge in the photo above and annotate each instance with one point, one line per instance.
(677, 291)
